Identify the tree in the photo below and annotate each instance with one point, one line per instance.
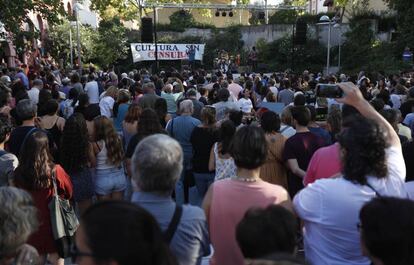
(14, 12)
(59, 45)
(112, 43)
(405, 22)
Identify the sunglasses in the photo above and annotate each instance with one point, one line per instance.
(75, 253)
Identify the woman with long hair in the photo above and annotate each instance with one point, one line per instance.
(161, 109)
(130, 123)
(220, 158)
(120, 108)
(35, 174)
(148, 124)
(110, 181)
(76, 157)
(273, 170)
(202, 139)
(106, 104)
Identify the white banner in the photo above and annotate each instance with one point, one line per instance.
(146, 51)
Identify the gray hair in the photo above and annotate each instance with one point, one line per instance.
(26, 109)
(148, 87)
(38, 83)
(157, 164)
(186, 106)
(18, 219)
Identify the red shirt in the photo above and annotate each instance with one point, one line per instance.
(42, 239)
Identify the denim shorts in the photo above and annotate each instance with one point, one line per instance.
(110, 180)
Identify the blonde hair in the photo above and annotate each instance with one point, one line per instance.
(112, 91)
(105, 130)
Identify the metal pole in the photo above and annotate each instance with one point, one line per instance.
(266, 13)
(293, 47)
(329, 49)
(340, 45)
(155, 39)
(71, 46)
(79, 46)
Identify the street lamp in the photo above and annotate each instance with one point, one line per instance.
(326, 19)
(339, 26)
(77, 8)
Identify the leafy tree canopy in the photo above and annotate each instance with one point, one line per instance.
(14, 12)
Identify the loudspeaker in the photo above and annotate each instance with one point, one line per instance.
(146, 30)
(301, 32)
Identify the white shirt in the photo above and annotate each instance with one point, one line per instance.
(330, 210)
(34, 94)
(106, 105)
(235, 90)
(92, 89)
(246, 105)
(287, 130)
(274, 90)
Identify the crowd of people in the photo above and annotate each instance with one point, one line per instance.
(197, 167)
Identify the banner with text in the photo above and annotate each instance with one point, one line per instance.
(146, 52)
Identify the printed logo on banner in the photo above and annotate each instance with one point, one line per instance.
(166, 51)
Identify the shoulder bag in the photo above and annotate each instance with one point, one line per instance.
(64, 221)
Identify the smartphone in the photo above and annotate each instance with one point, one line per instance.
(329, 91)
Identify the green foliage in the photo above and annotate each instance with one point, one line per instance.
(228, 39)
(358, 44)
(112, 43)
(284, 16)
(14, 12)
(104, 46)
(278, 55)
(362, 51)
(182, 19)
(405, 22)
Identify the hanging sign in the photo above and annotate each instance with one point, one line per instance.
(146, 51)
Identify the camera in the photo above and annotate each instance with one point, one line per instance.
(329, 91)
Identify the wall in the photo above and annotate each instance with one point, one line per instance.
(250, 35)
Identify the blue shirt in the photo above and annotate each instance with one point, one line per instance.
(22, 76)
(190, 241)
(183, 127)
(122, 111)
(171, 104)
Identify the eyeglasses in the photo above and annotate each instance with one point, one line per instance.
(359, 226)
(75, 253)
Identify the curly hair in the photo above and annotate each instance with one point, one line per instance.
(18, 219)
(149, 123)
(74, 145)
(36, 162)
(105, 130)
(363, 144)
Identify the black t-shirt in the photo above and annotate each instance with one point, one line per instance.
(202, 139)
(408, 152)
(134, 142)
(407, 107)
(18, 135)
